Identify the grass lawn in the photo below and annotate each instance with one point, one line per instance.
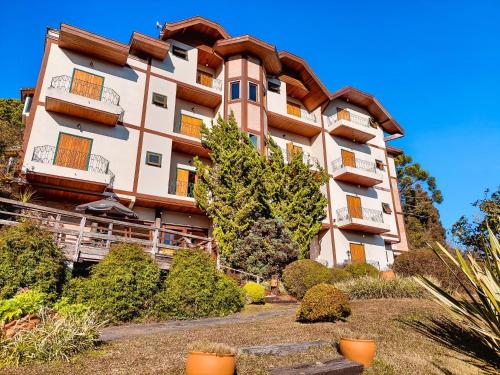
(401, 350)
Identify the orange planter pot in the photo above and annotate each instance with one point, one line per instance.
(210, 364)
(361, 351)
(388, 275)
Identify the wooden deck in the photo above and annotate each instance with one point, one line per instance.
(88, 238)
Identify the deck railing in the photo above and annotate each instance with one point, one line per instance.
(88, 238)
(358, 163)
(353, 117)
(84, 88)
(181, 188)
(213, 83)
(368, 214)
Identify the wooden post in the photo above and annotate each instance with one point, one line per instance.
(79, 239)
(110, 232)
(156, 235)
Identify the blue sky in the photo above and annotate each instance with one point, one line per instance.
(433, 64)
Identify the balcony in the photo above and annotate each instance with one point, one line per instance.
(206, 80)
(302, 114)
(189, 140)
(352, 126)
(307, 158)
(69, 169)
(78, 98)
(181, 189)
(361, 219)
(356, 171)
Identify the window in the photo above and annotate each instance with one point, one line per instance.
(293, 109)
(273, 86)
(160, 100)
(154, 159)
(235, 90)
(73, 151)
(386, 208)
(180, 52)
(204, 78)
(184, 183)
(86, 84)
(252, 91)
(292, 150)
(255, 139)
(379, 164)
(191, 126)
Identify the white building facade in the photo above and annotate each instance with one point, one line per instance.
(124, 119)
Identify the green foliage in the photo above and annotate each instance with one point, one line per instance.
(474, 234)
(121, 287)
(302, 275)
(255, 292)
(361, 269)
(479, 309)
(340, 274)
(55, 338)
(11, 136)
(23, 303)
(194, 289)
(426, 263)
(65, 308)
(11, 111)
(369, 287)
(295, 195)
(241, 185)
(265, 249)
(323, 303)
(29, 258)
(419, 193)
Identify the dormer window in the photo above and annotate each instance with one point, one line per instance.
(273, 86)
(180, 52)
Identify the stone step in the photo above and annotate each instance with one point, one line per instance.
(339, 366)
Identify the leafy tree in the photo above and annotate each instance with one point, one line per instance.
(419, 194)
(11, 131)
(265, 250)
(11, 111)
(473, 234)
(295, 195)
(230, 190)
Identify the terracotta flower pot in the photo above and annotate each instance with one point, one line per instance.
(357, 350)
(199, 363)
(388, 275)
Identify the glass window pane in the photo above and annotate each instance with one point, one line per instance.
(235, 90)
(252, 92)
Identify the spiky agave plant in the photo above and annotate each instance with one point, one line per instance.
(479, 309)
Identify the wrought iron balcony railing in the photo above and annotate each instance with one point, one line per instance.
(354, 163)
(307, 115)
(181, 188)
(72, 159)
(213, 83)
(353, 117)
(349, 213)
(84, 88)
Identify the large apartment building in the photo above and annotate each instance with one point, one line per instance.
(124, 119)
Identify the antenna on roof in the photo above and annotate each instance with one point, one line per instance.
(159, 25)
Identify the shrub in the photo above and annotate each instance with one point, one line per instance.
(425, 262)
(194, 289)
(29, 258)
(303, 274)
(212, 347)
(323, 303)
(265, 250)
(23, 303)
(361, 269)
(65, 308)
(340, 274)
(54, 338)
(121, 287)
(369, 287)
(255, 292)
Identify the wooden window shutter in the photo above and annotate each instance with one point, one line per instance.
(87, 84)
(73, 152)
(343, 114)
(293, 109)
(357, 253)
(348, 159)
(204, 78)
(354, 207)
(191, 126)
(182, 182)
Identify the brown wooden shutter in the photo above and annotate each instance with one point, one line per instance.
(293, 109)
(73, 151)
(348, 159)
(191, 126)
(357, 253)
(343, 114)
(182, 182)
(204, 78)
(87, 84)
(354, 207)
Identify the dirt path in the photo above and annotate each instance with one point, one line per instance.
(143, 329)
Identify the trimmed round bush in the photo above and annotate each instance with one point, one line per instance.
(340, 274)
(361, 269)
(121, 287)
(194, 288)
(29, 258)
(301, 275)
(426, 263)
(369, 287)
(323, 303)
(255, 293)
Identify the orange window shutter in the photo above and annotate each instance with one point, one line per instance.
(343, 114)
(204, 78)
(289, 150)
(73, 152)
(357, 253)
(87, 84)
(191, 126)
(293, 109)
(348, 159)
(354, 207)
(182, 182)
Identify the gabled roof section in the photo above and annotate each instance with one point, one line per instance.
(194, 26)
(372, 105)
(247, 44)
(293, 68)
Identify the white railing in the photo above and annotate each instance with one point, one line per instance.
(307, 115)
(354, 163)
(353, 117)
(307, 158)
